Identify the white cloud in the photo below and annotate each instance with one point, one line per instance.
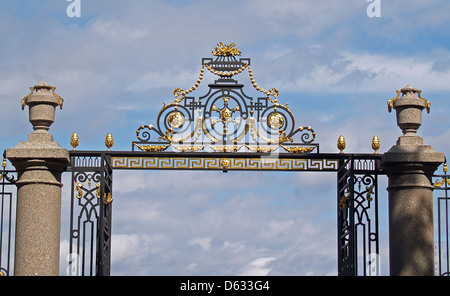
(257, 267)
(220, 226)
(204, 243)
(325, 70)
(125, 245)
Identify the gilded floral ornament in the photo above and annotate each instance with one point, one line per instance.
(176, 119)
(226, 50)
(108, 199)
(439, 183)
(275, 120)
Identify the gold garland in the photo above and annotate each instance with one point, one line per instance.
(224, 73)
(179, 92)
(271, 92)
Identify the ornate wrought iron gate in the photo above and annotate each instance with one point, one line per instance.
(223, 130)
(90, 234)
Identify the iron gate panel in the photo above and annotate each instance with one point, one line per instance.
(357, 204)
(90, 214)
(442, 186)
(8, 193)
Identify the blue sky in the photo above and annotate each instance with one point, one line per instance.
(119, 61)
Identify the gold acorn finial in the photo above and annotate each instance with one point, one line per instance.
(74, 141)
(341, 144)
(375, 144)
(445, 167)
(109, 141)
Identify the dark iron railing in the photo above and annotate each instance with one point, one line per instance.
(442, 228)
(8, 193)
(357, 204)
(90, 214)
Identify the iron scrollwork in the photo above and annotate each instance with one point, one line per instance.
(8, 192)
(225, 119)
(358, 216)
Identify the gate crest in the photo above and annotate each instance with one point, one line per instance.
(225, 119)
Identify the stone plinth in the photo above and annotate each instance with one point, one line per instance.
(39, 162)
(409, 166)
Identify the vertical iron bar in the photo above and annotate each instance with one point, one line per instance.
(7, 178)
(353, 234)
(1, 218)
(72, 205)
(446, 219)
(100, 224)
(347, 261)
(439, 236)
(103, 260)
(340, 192)
(377, 238)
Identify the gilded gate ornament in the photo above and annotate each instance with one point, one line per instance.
(341, 144)
(226, 50)
(109, 141)
(375, 144)
(74, 141)
(225, 119)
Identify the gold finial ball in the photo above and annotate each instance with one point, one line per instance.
(109, 141)
(341, 144)
(375, 144)
(74, 141)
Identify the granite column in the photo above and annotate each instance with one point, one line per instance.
(409, 166)
(39, 162)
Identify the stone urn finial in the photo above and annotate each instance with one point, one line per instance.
(42, 106)
(409, 110)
